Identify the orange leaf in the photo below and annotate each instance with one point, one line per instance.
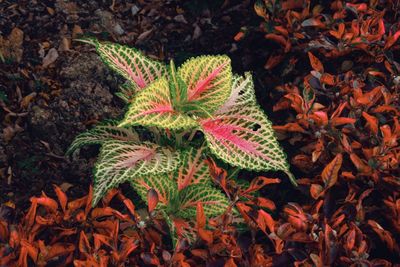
(47, 202)
(360, 165)
(218, 174)
(152, 199)
(391, 40)
(289, 127)
(30, 216)
(372, 122)
(330, 173)
(206, 235)
(259, 182)
(200, 217)
(316, 191)
(127, 202)
(273, 61)
(264, 220)
(59, 249)
(328, 79)
(348, 175)
(384, 235)
(266, 203)
(230, 263)
(389, 138)
(239, 36)
(99, 240)
(339, 33)
(31, 250)
(315, 63)
(23, 258)
(3, 230)
(296, 216)
(342, 120)
(62, 197)
(84, 245)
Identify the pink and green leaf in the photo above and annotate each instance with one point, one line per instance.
(208, 80)
(241, 134)
(194, 170)
(153, 107)
(121, 161)
(214, 202)
(129, 62)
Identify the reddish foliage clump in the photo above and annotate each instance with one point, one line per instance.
(341, 118)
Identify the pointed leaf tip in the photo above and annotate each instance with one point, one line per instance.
(241, 134)
(88, 40)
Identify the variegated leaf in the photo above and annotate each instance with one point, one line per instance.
(194, 171)
(127, 91)
(153, 107)
(121, 161)
(128, 62)
(208, 80)
(241, 134)
(106, 131)
(164, 185)
(213, 200)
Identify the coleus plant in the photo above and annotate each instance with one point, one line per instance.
(153, 146)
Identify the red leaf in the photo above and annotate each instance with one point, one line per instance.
(127, 202)
(3, 230)
(392, 39)
(389, 138)
(289, 127)
(296, 216)
(330, 173)
(316, 191)
(273, 61)
(200, 217)
(360, 165)
(30, 216)
(59, 249)
(342, 120)
(206, 235)
(266, 203)
(49, 203)
(62, 197)
(84, 245)
(315, 63)
(31, 250)
(328, 79)
(339, 33)
(372, 122)
(152, 199)
(99, 240)
(259, 182)
(230, 263)
(384, 235)
(265, 220)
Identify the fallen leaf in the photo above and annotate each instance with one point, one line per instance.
(50, 58)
